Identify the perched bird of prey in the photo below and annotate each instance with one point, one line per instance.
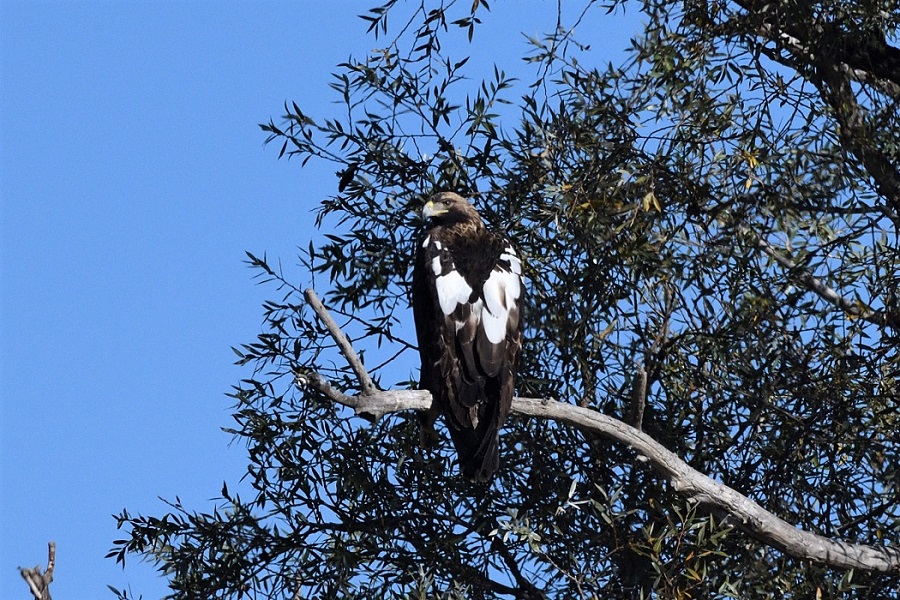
(467, 297)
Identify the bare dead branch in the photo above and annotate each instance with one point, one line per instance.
(763, 525)
(373, 406)
(39, 583)
(368, 386)
(635, 415)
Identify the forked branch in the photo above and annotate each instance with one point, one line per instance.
(751, 517)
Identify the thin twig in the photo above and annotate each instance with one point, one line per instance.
(820, 288)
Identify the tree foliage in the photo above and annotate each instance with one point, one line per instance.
(720, 212)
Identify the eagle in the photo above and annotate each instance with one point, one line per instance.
(467, 295)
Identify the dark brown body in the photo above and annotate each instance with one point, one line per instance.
(467, 294)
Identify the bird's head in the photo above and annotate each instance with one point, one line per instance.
(446, 208)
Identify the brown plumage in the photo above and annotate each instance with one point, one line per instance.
(467, 295)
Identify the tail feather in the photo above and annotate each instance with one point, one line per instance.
(479, 456)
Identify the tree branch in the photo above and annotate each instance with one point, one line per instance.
(39, 583)
(821, 289)
(838, 57)
(690, 483)
(368, 386)
(856, 134)
(865, 55)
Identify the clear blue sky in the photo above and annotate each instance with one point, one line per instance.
(132, 179)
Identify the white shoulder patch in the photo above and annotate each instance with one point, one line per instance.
(426, 242)
(452, 289)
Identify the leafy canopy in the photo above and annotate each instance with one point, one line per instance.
(719, 211)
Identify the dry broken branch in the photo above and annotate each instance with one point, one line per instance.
(39, 583)
(763, 525)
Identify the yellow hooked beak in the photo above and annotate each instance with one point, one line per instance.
(429, 210)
